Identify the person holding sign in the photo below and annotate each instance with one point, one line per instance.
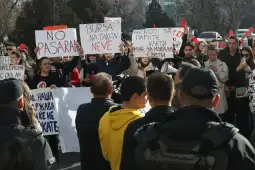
(45, 78)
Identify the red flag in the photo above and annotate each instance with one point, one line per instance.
(154, 25)
(246, 34)
(251, 29)
(56, 27)
(183, 23)
(230, 33)
(22, 47)
(222, 45)
(242, 43)
(194, 39)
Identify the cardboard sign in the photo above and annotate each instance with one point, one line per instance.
(56, 43)
(12, 71)
(153, 42)
(100, 38)
(112, 20)
(5, 60)
(43, 101)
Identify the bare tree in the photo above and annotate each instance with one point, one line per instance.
(219, 15)
(8, 14)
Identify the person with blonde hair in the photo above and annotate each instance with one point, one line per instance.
(28, 112)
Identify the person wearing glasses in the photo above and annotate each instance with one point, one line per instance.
(243, 113)
(10, 47)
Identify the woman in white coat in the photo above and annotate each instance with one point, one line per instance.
(221, 71)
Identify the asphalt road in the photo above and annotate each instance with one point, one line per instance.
(68, 161)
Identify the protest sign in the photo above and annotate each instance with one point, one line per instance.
(100, 38)
(177, 34)
(67, 107)
(112, 20)
(56, 43)
(12, 71)
(153, 42)
(43, 101)
(5, 60)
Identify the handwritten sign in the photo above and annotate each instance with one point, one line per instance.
(5, 60)
(112, 20)
(56, 43)
(177, 34)
(44, 104)
(13, 71)
(153, 42)
(100, 38)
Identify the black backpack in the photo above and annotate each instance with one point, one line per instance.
(156, 151)
(16, 147)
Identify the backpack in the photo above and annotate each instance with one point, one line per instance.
(156, 151)
(16, 147)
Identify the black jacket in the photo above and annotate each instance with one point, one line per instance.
(237, 79)
(11, 129)
(113, 68)
(156, 114)
(188, 124)
(39, 81)
(87, 122)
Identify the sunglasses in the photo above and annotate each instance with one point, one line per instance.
(245, 55)
(10, 49)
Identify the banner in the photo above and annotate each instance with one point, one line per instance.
(56, 43)
(12, 71)
(43, 101)
(5, 60)
(100, 38)
(67, 102)
(177, 34)
(112, 20)
(153, 42)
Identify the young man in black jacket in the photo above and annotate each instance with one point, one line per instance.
(20, 148)
(87, 122)
(160, 88)
(195, 132)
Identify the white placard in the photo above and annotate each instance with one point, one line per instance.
(177, 34)
(153, 42)
(67, 109)
(112, 20)
(12, 71)
(43, 101)
(100, 38)
(56, 43)
(5, 60)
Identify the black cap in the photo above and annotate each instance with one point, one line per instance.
(11, 90)
(132, 85)
(200, 83)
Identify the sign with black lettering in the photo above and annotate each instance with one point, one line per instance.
(12, 71)
(56, 43)
(153, 43)
(100, 38)
(43, 101)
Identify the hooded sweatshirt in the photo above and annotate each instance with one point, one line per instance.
(111, 132)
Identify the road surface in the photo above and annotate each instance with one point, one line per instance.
(68, 161)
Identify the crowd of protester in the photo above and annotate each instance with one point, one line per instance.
(200, 85)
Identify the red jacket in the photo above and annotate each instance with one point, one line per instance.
(75, 77)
